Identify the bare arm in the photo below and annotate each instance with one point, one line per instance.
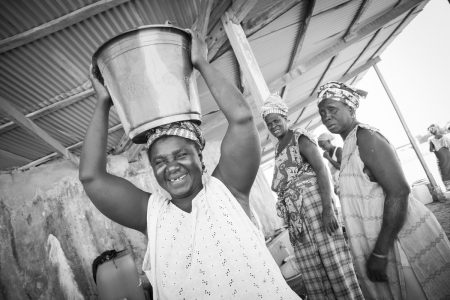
(336, 163)
(311, 153)
(115, 197)
(240, 148)
(381, 160)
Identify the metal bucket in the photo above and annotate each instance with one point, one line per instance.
(149, 74)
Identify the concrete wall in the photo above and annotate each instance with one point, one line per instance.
(50, 232)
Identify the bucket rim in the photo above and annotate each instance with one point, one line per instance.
(114, 38)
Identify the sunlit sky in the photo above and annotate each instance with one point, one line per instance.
(416, 67)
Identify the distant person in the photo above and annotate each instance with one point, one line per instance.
(202, 243)
(333, 155)
(399, 249)
(440, 146)
(305, 202)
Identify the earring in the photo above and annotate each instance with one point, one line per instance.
(203, 168)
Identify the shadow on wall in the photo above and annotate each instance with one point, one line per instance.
(50, 233)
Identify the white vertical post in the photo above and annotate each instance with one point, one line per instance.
(436, 189)
(246, 59)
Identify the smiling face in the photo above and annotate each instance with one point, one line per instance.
(336, 116)
(277, 125)
(177, 166)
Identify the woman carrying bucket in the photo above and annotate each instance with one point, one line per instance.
(201, 242)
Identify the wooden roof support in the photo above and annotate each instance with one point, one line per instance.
(246, 59)
(31, 127)
(331, 51)
(295, 57)
(58, 24)
(251, 75)
(50, 108)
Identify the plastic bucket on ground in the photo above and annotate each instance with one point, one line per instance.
(421, 192)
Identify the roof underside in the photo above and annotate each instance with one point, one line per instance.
(46, 48)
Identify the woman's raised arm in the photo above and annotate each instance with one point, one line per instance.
(115, 197)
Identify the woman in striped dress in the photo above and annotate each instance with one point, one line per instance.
(399, 249)
(305, 203)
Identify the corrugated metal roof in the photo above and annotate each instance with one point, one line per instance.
(49, 69)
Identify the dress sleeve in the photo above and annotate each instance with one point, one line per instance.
(300, 131)
(446, 141)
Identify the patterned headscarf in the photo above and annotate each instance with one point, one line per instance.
(325, 137)
(432, 126)
(341, 92)
(274, 105)
(186, 129)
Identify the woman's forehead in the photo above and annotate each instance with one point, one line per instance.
(170, 144)
(331, 103)
(273, 116)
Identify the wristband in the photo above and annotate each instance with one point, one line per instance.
(379, 255)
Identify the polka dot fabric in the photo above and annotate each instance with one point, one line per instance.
(214, 252)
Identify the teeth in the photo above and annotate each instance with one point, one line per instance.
(178, 179)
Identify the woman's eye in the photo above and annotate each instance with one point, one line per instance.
(182, 155)
(158, 162)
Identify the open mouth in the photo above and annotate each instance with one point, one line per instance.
(178, 179)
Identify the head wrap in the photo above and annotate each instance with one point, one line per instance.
(186, 129)
(274, 105)
(326, 136)
(339, 91)
(432, 126)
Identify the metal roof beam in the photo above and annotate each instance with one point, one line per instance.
(57, 24)
(295, 57)
(356, 20)
(8, 155)
(265, 17)
(202, 22)
(392, 35)
(50, 108)
(341, 44)
(217, 37)
(344, 78)
(31, 127)
(55, 154)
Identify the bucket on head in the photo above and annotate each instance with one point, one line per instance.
(149, 74)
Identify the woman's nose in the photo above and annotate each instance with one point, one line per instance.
(172, 166)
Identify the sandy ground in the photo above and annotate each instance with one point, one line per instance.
(442, 212)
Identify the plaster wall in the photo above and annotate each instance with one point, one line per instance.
(50, 232)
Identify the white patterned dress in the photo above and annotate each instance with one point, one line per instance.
(422, 249)
(214, 252)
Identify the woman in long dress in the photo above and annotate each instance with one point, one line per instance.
(399, 249)
(306, 205)
(202, 243)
